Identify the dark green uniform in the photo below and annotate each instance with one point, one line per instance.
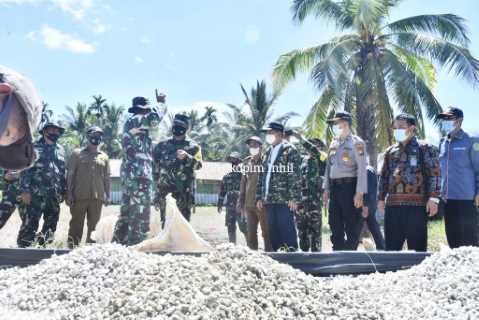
(45, 181)
(176, 176)
(8, 196)
(309, 219)
(230, 188)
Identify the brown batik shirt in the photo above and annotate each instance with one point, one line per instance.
(410, 174)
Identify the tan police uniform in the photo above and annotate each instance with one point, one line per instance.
(346, 175)
(88, 182)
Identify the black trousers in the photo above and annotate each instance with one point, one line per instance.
(281, 226)
(375, 230)
(344, 218)
(460, 218)
(405, 223)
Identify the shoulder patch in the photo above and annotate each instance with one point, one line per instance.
(475, 146)
(360, 148)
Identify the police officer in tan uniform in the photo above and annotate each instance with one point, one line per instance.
(88, 181)
(345, 183)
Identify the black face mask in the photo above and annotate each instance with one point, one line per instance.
(178, 130)
(94, 140)
(53, 136)
(18, 155)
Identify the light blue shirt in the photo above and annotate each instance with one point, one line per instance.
(459, 159)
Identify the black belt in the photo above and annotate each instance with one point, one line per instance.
(337, 182)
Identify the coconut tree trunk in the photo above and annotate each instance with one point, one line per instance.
(365, 115)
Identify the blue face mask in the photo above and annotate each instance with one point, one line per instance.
(447, 126)
(400, 135)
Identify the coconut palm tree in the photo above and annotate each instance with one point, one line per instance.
(259, 110)
(111, 123)
(376, 64)
(77, 121)
(209, 116)
(97, 106)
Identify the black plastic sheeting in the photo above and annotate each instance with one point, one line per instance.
(322, 264)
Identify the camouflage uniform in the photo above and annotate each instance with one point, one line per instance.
(282, 188)
(174, 175)
(309, 219)
(8, 197)
(136, 179)
(230, 187)
(45, 181)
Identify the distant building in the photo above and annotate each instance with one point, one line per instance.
(208, 180)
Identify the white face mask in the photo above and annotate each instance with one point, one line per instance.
(337, 130)
(448, 126)
(270, 138)
(400, 135)
(253, 151)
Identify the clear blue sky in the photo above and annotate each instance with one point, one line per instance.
(197, 51)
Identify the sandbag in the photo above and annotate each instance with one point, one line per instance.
(177, 236)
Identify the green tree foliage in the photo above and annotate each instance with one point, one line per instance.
(375, 64)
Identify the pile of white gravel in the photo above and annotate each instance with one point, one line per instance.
(113, 282)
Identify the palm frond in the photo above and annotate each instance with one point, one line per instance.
(328, 9)
(289, 64)
(411, 93)
(422, 67)
(449, 27)
(445, 53)
(315, 123)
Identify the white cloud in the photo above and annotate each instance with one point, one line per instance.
(99, 27)
(139, 60)
(19, 1)
(251, 35)
(145, 40)
(56, 39)
(77, 8)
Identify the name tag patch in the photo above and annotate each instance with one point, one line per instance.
(413, 161)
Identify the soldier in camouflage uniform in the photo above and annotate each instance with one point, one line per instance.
(43, 188)
(136, 171)
(230, 188)
(279, 188)
(175, 162)
(309, 219)
(9, 183)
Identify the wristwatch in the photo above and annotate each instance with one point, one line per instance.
(435, 200)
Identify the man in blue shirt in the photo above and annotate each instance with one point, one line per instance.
(459, 159)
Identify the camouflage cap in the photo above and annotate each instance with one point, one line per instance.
(255, 139)
(94, 129)
(182, 120)
(52, 125)
(139, 103)
(233, 156)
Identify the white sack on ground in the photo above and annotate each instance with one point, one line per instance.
(177, 236)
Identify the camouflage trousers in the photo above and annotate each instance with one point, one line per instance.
(134, 221)
(232, 218)
(8, 203)
(309, 224)
(184, 202)
(49, 208)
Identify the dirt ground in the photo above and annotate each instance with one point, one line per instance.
(206, 221)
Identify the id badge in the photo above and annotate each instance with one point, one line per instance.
(413, 161)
